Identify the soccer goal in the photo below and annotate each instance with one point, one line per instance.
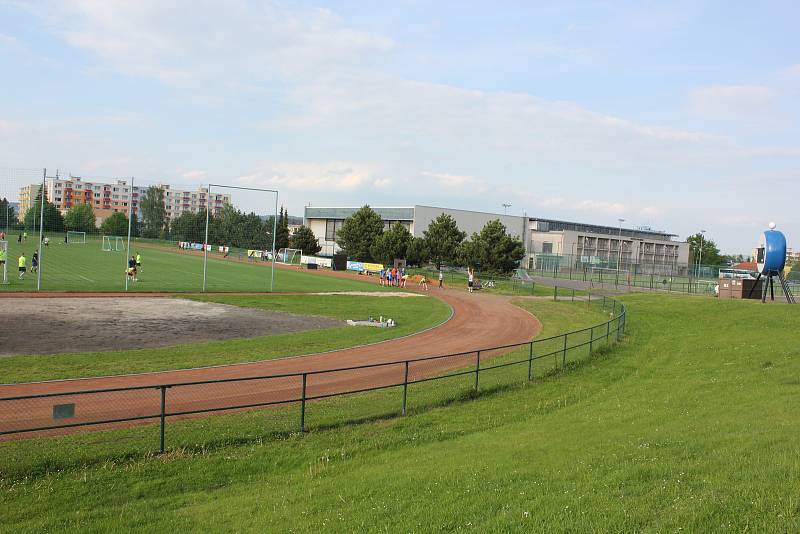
(4, 261)
(112, 243)
(289, 255)
(74, 238)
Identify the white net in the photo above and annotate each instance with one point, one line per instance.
(112, 243)
(76, 238)
(289, 256)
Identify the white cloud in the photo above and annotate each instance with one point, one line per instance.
(733, 102)
(651, 211)
(194, 174)
(601, 206)
(551, 202)
(310, 176)
(456, 183)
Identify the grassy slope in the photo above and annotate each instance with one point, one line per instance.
(88, 268)
(412, 314)
(691, 424)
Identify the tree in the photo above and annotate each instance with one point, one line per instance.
(417, 252)
(80, 218)
(359, 232)
(282, 233)
(442, 239)
(7, 216)
(153, 212)
(391, 245)
(493, 250)
(710, 255)
(304, 239)
(190, 227)
(115, 224)
(53, 221)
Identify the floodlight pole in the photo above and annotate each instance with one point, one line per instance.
(619, 252)
(700, 258)
(128, 253)
(274, 234)
(41, 230)
(205, 240)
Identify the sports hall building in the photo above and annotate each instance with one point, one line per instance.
(549, 243)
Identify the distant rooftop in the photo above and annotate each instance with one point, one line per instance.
(551, 225)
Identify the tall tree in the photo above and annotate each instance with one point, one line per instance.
(115, 224)
(442, 239)
(304, 239)
(282, 234)
(53, 221)
(7, 216)
(189, 226)
(154, 213)
(80, 218)
(492, 250)
(359, 232)
(417, 251)
(392, 244)
(710, 255)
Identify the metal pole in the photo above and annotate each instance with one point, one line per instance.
(41, 229)
(555, 293)
(303, 405)
(205, 240)
(700, 256)
(530, 362)
(477, 368)
(591, 340)
(405, 388)
(274, 235)
(564, 357)
(163, 416)
(128, 254)
(619, 246)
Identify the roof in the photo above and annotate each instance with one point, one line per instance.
(387, 214)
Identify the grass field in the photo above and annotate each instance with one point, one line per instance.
(503, 284)
(411, 314)
(689, 425)
(86, 267)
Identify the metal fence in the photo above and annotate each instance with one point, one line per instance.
(64, 411)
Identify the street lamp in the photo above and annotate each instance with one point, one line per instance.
(619, 246)
(700, 255)
(505, 208)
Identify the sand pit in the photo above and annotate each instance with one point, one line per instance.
(56, 325)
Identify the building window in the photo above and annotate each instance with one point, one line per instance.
(547, 248)
(332, 227)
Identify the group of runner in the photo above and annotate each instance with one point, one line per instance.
(134, 267)
(399, 278)
(134, 264)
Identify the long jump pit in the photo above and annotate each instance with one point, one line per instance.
(75, 324)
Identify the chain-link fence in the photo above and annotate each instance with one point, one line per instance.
(312, 399)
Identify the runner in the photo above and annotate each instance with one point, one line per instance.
(132, 268)
(382, 275)
(22, 261)
(35, 262)
(138, 262)
(470, 278)
(2, 258)
(424, 282)
(441, 279)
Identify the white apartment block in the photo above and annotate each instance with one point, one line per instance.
(177, 201)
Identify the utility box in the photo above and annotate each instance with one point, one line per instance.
(739, 288)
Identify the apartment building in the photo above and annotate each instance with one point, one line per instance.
(178, 201)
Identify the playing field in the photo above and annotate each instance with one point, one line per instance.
(86, 267)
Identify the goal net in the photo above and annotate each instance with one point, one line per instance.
(76, 238)
(112, 243)
(4, 262)
(290, 256)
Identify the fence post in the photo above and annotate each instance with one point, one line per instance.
(573, 294)
(604, 302)
(405, 388)
(477, 368)
(564, 357)
(530, 362)
(591, 340)
(614, 309)
(163, 417)
(608, 329)
(303, 404)
(555, 293)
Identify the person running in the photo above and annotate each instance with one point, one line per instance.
(3, 255)
(138, 262)
(46, 241)
(441, 279)
(394, 275)
(66, 242)
(35, 262)
(132, 268)
(382, 276)
(470, 279)
(19, 238)
(22, 262)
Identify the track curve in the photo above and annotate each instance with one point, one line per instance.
(479, 321)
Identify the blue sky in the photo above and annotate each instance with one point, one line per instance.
(679, 116)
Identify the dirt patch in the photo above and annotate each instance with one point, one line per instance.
(56, 325)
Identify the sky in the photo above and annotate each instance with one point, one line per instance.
(679, 116)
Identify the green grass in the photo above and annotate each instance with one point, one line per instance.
(86, 267)
(503, 284)
(412, 314)
(689, 425)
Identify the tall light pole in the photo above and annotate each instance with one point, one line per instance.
(700, 255)
(505, 208)
(619, 246)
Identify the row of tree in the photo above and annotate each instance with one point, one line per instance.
(362, 237)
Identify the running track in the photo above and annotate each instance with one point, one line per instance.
(479, 321)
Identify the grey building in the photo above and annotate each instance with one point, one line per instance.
(549, 243)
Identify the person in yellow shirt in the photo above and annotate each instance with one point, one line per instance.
(138, 262)
(22, 264)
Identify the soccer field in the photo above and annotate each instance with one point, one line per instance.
(86, 267)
